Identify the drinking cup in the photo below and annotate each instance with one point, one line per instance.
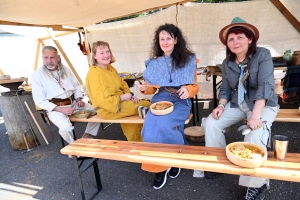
(140, 108)
(280, 146)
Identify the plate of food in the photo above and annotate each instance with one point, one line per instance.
(246, 154)
(84, 113)
(162, 107)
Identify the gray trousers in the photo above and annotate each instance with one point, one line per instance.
(215, 129)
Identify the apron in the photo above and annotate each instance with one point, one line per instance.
(167, 129)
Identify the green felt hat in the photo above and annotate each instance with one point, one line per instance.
(237, 21)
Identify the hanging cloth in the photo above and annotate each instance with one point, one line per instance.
(81, 45)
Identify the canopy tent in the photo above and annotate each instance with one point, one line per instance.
(70, 15)
(131, 39)
(73, 13)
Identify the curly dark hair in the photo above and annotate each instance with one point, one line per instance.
(180, 54)
(249, 34)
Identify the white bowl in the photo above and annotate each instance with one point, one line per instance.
(164, 111)
(246, 162)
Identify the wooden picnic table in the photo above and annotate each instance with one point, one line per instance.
(182, 156)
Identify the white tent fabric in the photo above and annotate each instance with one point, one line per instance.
(131, 40)
(73, 13)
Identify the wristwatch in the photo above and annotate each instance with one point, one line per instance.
(221, 104)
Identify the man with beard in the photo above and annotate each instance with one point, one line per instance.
(56, 90)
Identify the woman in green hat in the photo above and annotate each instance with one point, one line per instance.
(247, 91)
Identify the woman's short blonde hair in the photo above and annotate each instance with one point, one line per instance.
(95, 45)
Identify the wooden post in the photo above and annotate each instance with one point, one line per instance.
(37, 55)
(15, 119)
(64, 55)
(287, 14)
(1, 72)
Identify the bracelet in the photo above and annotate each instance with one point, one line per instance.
(221, 104)
(132, 94)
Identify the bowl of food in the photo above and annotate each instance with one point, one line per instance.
(162, 108)
(83, 113)
(246, 154)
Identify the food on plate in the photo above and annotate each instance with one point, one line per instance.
(246, 151)
(82, 114)
(162, 106)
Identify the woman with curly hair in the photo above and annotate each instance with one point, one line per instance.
(171, 72)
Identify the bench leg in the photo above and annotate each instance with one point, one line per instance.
(193, 111)
(197, 111)
(62, 141)
(103, 128)
(93, 163)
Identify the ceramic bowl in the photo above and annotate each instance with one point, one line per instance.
(155, 108)
(82, 113)
(246, 162)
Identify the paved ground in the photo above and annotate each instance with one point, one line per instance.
(46, 174)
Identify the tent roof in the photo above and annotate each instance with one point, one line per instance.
(73, 13)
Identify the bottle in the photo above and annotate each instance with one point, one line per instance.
(287, 57)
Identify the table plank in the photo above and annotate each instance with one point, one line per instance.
(189, 157)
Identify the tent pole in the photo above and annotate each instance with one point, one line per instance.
(37, 55)
(64, 55)
(287, 14)
(1, 72)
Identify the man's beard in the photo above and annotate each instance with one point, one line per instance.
(50, 67)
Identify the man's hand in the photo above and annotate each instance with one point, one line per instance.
(79, 103)
(64, 110)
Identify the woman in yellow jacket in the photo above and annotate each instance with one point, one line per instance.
(110, 93)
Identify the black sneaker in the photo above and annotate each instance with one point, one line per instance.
(174, 172)
(256, 193)
(211, 175)
(160, 179)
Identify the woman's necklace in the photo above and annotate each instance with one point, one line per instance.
(240, 63)
(170, 71)
(57, 78)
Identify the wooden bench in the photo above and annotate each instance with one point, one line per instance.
(188, 157)
(288, 115)
(135, 119)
